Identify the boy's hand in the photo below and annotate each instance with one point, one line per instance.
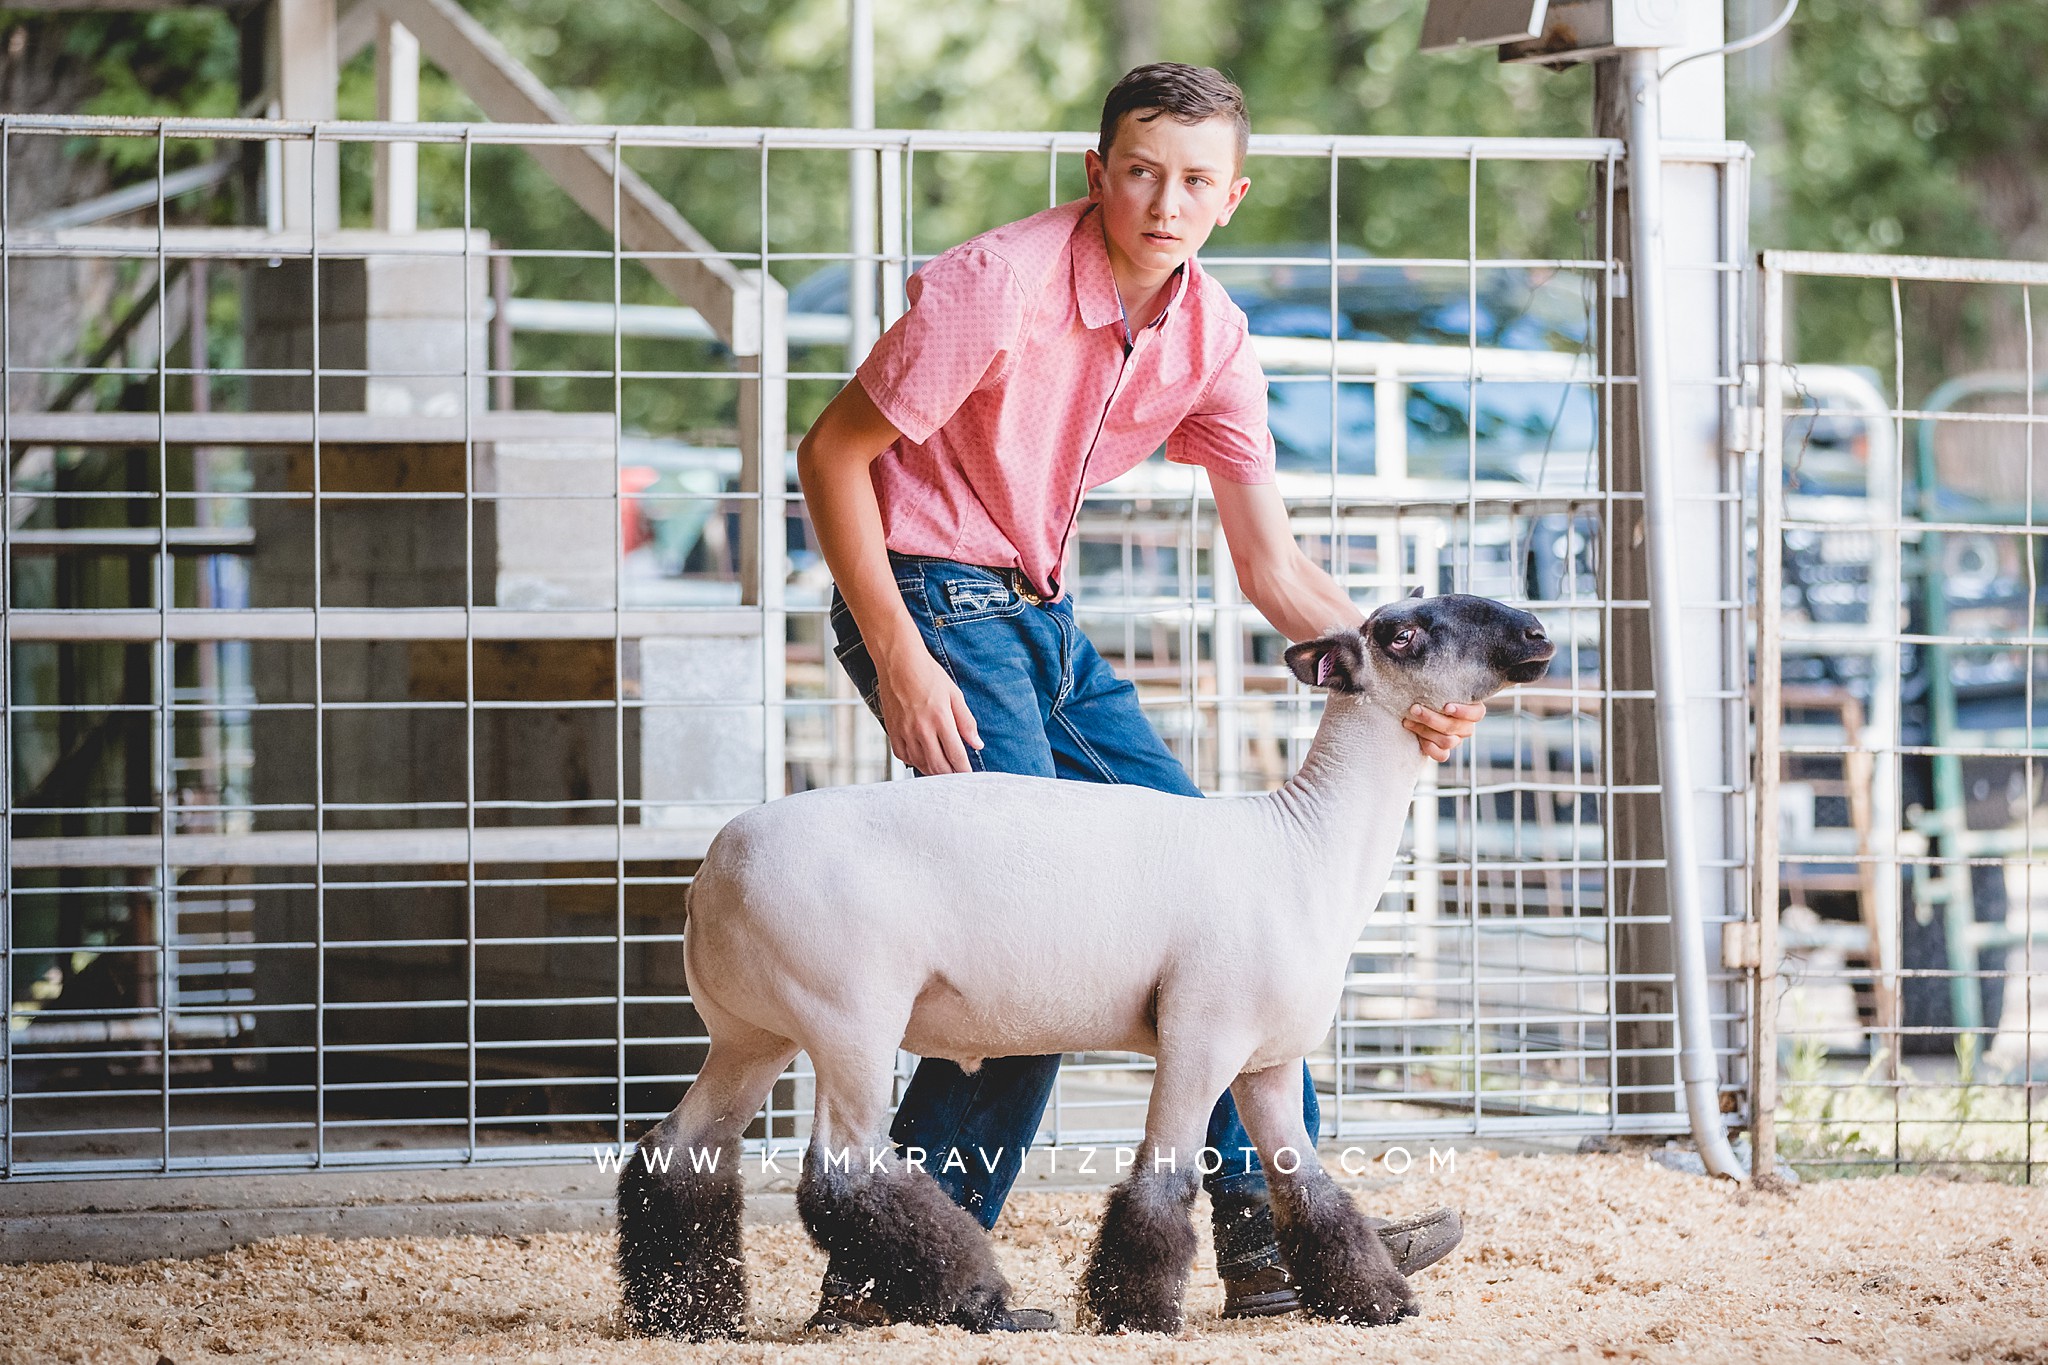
(1441, 731)
(925, 716)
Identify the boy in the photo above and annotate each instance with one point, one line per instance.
(1037, 361)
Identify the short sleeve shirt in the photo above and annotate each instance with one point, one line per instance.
(1015, 393)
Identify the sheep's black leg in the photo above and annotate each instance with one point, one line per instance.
(896, 1236)
(679, 1242)
(1137, 1276)
(1341, 1269)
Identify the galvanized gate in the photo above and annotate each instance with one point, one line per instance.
(1899, 619)
(393, 616)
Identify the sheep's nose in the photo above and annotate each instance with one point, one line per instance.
(1534, 634)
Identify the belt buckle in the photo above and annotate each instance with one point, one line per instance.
(1022, 586)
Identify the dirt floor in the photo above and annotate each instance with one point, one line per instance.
(1565, 1257)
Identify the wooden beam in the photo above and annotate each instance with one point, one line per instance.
(237, 243)
(508, 93)
(395, 189)
(684, 840)
(141, 625)
(307, 76)
(190, 539)
(296, 428)
(355, 28)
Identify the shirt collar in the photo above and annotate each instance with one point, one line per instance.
(1094, 284)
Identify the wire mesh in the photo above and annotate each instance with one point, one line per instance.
(1897, 780)
(393, 617)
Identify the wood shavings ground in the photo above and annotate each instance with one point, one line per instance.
(1565, 1257)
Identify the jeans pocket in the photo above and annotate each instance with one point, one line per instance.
(973, 599)
(852, 652)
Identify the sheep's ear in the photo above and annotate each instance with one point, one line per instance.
(1334, 661)
(1417, 592)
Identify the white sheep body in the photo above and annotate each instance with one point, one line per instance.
(997, 915)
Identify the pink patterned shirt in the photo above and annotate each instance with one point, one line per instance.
(1010, 382)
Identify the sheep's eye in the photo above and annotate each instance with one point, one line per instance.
(1404, 639)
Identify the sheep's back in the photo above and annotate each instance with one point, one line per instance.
(1010, 892)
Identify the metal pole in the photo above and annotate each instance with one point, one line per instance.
(1770, 544)
(1698, 1070)
(862, 209)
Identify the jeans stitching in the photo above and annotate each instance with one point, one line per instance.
(953, 1136)
(937, 644)
(1065, 691)
(1088, 749)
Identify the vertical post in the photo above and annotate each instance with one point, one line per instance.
(1756, 75)
(861, 198)
(1227, 642)
(502, 396)
(1699, 1072)
(764, 424)
(1389, 426)
(308, 58)
(895, 251)
(395, 191)
(6, 646)
(1770, 544)
(206, 653)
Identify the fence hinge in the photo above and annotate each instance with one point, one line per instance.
(1742, 945)
(1748, 436)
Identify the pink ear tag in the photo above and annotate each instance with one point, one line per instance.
(1323, 670)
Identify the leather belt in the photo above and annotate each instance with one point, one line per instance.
(1021, 585)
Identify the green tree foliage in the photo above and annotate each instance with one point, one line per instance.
(164, 62)
(1914, 125)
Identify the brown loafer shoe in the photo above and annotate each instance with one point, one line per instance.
(1420, 1243)
(1259, 1286)
(1261, 1291)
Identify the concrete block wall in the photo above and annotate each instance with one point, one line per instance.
(555, 523)
(705, 746)
(542, 534)
(394, 316)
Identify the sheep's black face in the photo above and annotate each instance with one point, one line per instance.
(1430, 649)
(1418, 631)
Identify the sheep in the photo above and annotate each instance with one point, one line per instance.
(985, 915)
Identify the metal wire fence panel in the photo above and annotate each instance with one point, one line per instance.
(394, 616)
(1898, 680)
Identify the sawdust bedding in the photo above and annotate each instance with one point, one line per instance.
(1565, 1257)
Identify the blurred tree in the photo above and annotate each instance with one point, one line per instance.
(96, 64)
(1916, 126)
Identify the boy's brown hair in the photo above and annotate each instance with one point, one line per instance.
(1187, 94)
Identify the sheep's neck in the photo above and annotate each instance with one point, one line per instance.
(1350, 799)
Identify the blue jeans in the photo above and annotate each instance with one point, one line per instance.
(1047, 705)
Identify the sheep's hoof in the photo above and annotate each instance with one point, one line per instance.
(1342, 1271)
(680, 1272)
(920, 1257)
(1374, 1301)
(662, 1315)
(1112, 1318)
(1137, 1275)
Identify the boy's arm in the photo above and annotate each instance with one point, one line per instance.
(926, 717)
(1302, 601)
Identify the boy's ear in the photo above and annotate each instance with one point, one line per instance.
(1334, 661)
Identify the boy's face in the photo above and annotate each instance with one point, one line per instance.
(1165, 187)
